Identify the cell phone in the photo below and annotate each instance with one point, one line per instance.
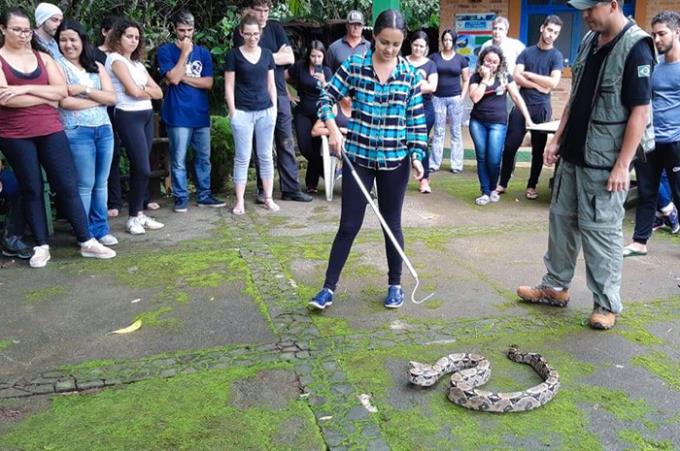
(318, 69)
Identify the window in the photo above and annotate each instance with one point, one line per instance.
(573, 30)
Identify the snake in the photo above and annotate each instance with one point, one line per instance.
(471, 370)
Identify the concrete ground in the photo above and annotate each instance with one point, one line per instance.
(229, 357)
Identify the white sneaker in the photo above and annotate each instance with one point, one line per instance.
(41, 255)
(149, 223)
(134, 226)
(94, 249)
(483, 200)
(494, 196)
(108, 240)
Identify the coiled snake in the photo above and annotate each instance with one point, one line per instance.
(471, 370)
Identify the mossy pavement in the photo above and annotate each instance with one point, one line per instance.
(228, 356)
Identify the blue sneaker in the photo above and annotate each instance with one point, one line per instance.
(211, 201)
(395, 297)
(181, 206)
(672, 221)
(322, 299)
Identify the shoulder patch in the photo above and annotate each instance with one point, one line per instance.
(644, 71)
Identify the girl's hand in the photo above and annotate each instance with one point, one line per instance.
(335, 139)
(75, 90)
(321, 77)
(419, 171)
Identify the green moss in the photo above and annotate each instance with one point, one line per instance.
(618, 403)
(186, 412)
(661, 365)
(4, 344)
(153, 318)
(642, 443)
(44, 294)
(331, 327)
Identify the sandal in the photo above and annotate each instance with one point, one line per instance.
(501, 189)
(270, 205)
(629, 251)
(152, 206)
(238, 211)
(531, 194)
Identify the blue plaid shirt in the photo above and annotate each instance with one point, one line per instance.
(388, 120)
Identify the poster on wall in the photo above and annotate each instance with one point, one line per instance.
(473, 30)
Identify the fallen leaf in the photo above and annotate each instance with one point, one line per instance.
(131, 328)
(134, 301)
(326, 418)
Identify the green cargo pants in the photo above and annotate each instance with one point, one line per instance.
(584, 213)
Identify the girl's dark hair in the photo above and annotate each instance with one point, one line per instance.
(390, 18)
(117, 31)
(420, 34)
(315, 45)
(106, 25)
(452, 32)
(248, 19)
(14, 11)
(86, 57)
(502, 71)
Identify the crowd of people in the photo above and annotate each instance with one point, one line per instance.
(68, 107)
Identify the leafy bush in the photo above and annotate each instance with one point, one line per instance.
(221, 153)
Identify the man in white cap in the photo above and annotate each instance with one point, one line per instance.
(351, 43)
(606, 122)
(48, 17)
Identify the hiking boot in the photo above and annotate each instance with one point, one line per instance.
(41, 255)
(322, 299)
(395, 297)
(542, 294)
(601, 319)
(94, 249)
(672, 221)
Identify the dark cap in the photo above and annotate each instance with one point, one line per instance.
(585, 4)
(355, 16)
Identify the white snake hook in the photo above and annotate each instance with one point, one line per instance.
(386, 228)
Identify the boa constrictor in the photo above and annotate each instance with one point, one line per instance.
(471, 370)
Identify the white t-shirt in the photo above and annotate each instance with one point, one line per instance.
(139, 75)
(511, 49)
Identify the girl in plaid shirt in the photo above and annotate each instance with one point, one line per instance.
(386, 136)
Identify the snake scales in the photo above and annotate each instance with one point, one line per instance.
(472, 370)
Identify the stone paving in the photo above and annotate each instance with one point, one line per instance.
(620, 388)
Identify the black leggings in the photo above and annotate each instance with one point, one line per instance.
(115, 199)
(513, 139)
(310, 147)
(53, 153)
(391, 189)
(135, 129)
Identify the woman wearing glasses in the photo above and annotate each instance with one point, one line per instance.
(32, 136)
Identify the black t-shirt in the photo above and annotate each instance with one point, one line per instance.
(541, 62)
(492, 107)
(250, 86)
(307, 86)
(449, 74)
(99, 55)
(272, 38)
(635, 91)
(425, 70)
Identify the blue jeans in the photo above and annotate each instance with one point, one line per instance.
(199, 138)
(489, 139)
(92, 150)
(244, 125)
(665, 194)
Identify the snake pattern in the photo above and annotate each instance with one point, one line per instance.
(472, 370)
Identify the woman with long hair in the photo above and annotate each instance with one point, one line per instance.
(32, 136)
(308, 77)
(87, 124)
(428, 73)
(133, 116)
(448, 100)
(250, 94)
(489, 86)
(386, 136)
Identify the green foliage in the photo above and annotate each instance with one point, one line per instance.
(221, 153)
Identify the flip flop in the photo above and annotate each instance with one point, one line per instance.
(531, 195)
(628, 252)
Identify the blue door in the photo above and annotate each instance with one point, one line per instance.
(534, 11)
